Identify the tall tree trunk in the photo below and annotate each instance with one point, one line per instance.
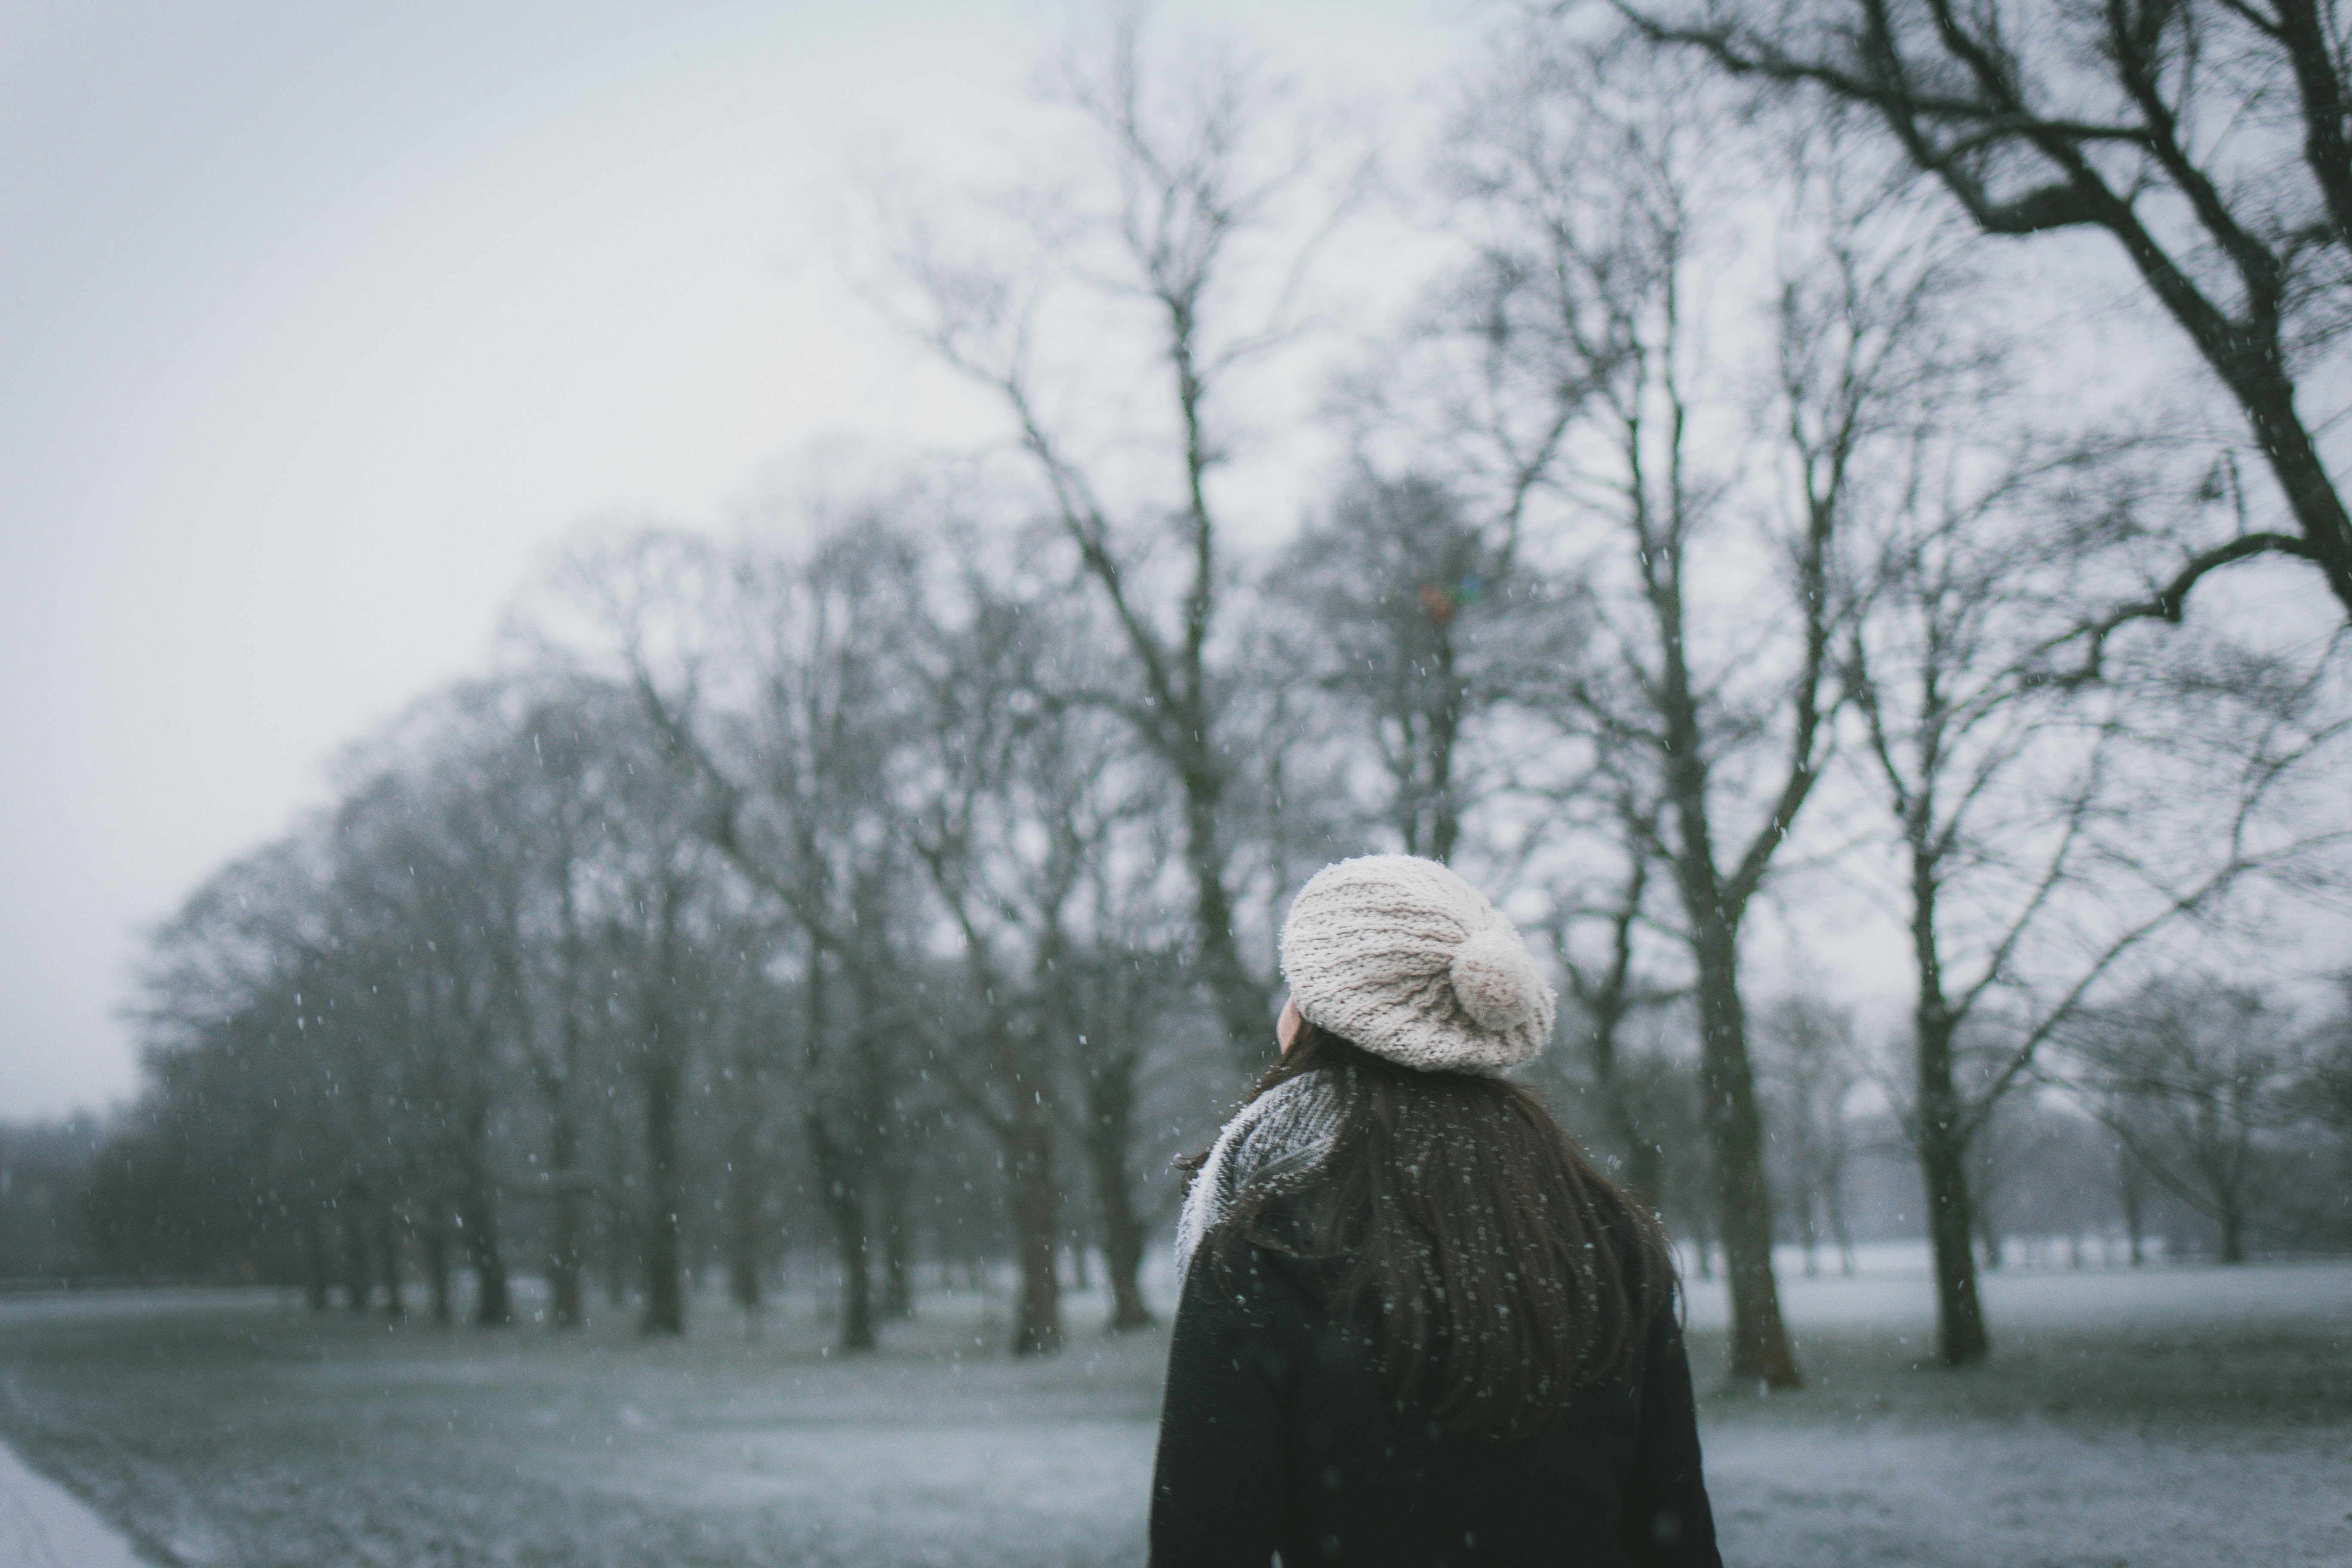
(896, 1178)
(1110, 1134)
(1712, 910)
(618, 1242)
(1759, 1339)
(1606, 1006)
(566, 1268)
(1036, 1214)
(841, 1190)
(2232, 1216)
(614, 1211)
(1944, 1128)
(665, 1309)
(316, 1272)
(564, 1265)
(843, 1167)
(1241, 1003)
(2130, 1197)
(1445, 733)
(435, 1239)
(387, 1253)
(358, 1279)
(1839, 1228)
(746, 1198)
(478, 1223)
(1961, 1336)
(478, 1218)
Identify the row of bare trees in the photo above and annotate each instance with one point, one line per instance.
(2189, 1106)
(1714, 566)
(354, 1032)
(805, 866)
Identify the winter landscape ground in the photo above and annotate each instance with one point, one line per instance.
(2173, 1415)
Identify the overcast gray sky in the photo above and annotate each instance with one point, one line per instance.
(319, 323)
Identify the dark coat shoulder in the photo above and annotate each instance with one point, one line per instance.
(1280, 1434)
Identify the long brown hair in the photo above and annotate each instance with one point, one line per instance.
(1498, 1272)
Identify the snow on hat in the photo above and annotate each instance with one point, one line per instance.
(1405, 959)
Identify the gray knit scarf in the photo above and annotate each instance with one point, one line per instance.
(1277, 1141)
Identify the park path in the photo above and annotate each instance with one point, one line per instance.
(42, 1525)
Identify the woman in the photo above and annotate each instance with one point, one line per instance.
(1416, 1327)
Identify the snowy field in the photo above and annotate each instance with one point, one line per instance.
(2177, 1415)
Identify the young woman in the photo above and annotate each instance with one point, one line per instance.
(1416, 1326)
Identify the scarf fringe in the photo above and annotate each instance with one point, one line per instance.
(1278, 1139)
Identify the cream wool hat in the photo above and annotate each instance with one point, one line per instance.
(1405, 959)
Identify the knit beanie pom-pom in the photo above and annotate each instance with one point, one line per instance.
(1495, 980)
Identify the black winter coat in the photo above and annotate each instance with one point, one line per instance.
(1278, 1435)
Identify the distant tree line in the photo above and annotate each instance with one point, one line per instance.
(1710, 564)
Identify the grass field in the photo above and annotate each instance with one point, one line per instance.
(2173, 1416)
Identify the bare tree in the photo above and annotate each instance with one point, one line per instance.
(1425, 627)
(2128, 1177)
(433, 857)
(2208, 138)
(1998, 781)
(1612, 993)
(2049, 833)
(1603, 201)
(769, 675)
(757, 1027)
(971, 814)
(1116, 992)
(1041, 841)
(2192, 1077)
(565, 794)
(1195, 178)
(228, 1003)
(1811, 1070)
(656, 925)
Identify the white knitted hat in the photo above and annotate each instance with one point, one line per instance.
(1405, 959)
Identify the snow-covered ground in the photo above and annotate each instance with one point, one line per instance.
(42, 1525)
(2177, 1416)
(2154, 1417)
